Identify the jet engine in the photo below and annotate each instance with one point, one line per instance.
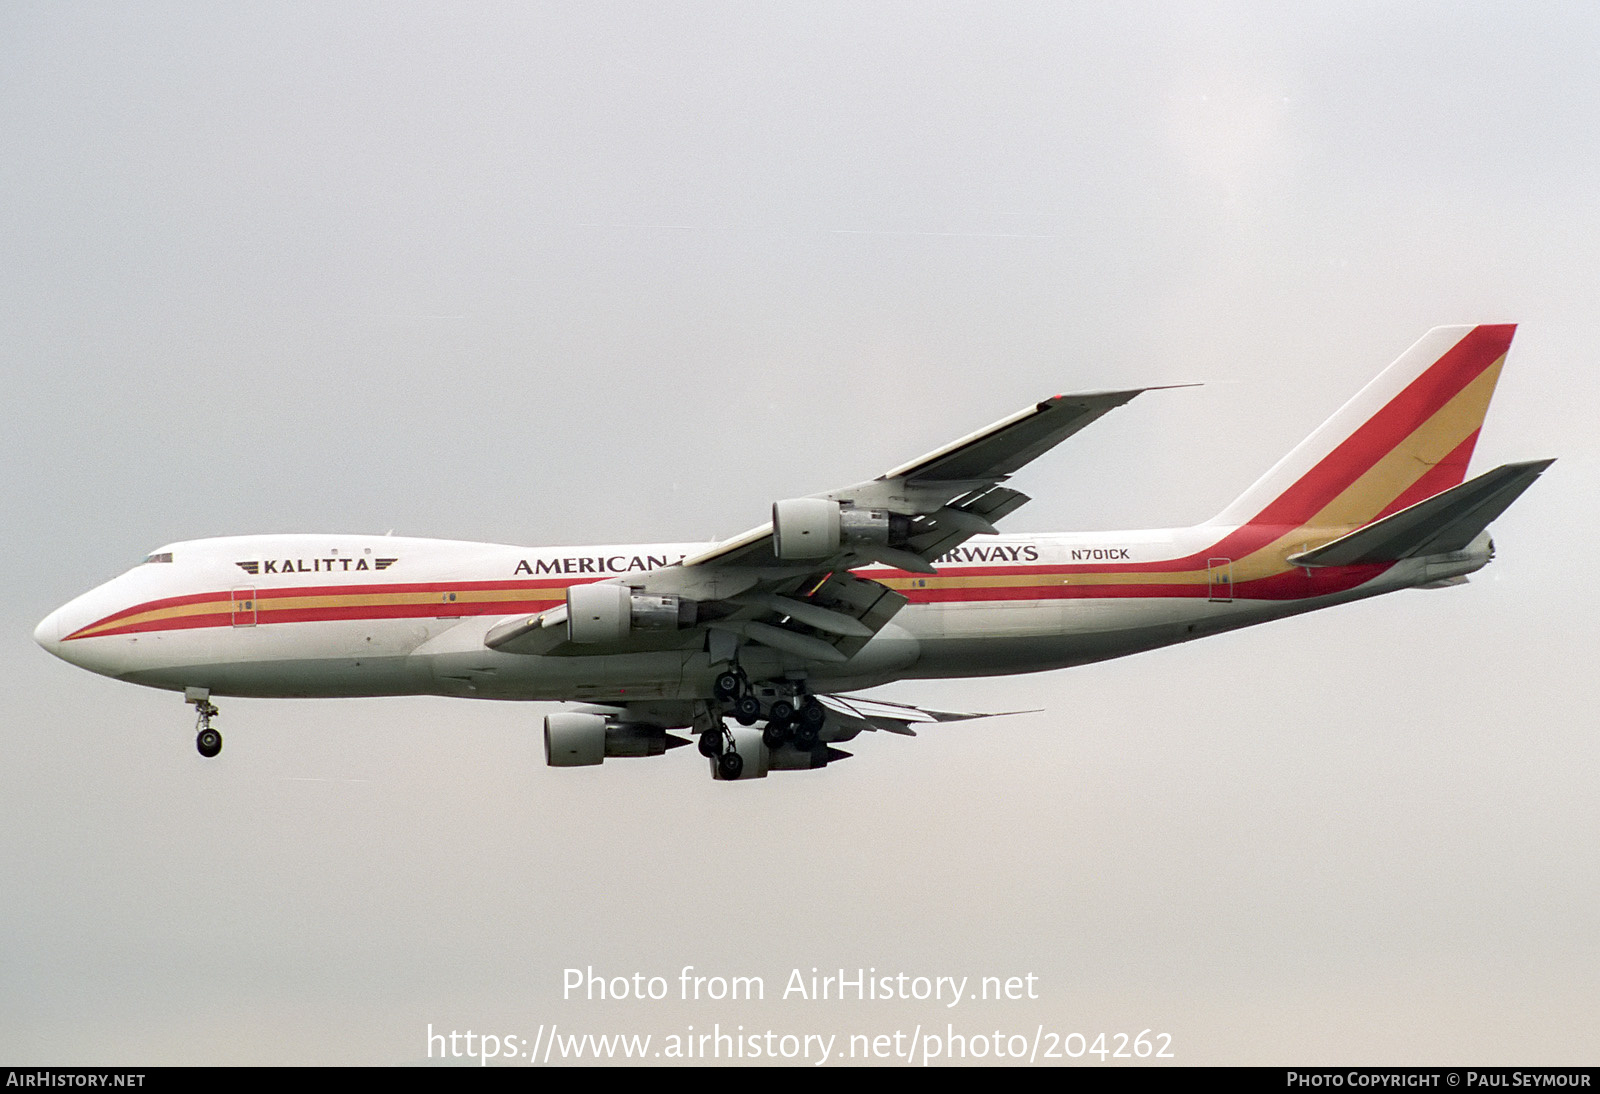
(759, 759)
(806, 528)
(573, 739)
(609, 613)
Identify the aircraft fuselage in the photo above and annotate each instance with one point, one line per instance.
(351, 615)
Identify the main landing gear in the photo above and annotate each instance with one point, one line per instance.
(207, 741)
(792, 715)
(716, 739)
(799, 720)
(716, 743)
(731, 687)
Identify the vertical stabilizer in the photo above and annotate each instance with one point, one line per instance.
(1407, 436)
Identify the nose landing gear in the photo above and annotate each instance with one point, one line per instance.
(207, 741)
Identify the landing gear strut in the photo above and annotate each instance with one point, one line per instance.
(716, 743)
(792, 714)
(809, 721)
(207, 741)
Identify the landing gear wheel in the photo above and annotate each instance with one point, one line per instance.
(782, 710)
(208, 742)
(747, 708)
(711, 743)
(726, 685)
(730, 764)
(805, 737)
(775, 734)
(813, 714)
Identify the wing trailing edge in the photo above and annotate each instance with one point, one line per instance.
(875, 714)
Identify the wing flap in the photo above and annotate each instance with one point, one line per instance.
(874, 714)
(937, 533)
(868, 602)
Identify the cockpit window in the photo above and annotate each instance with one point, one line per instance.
(164, 556)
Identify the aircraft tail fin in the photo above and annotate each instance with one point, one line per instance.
(1406, 436)
(1446, 522)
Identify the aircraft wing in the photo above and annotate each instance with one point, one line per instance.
(951, 493)
(787, 584)
(859, 713)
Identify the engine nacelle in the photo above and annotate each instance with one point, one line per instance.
(807, 528)
(759, 759)
(609, 613)
(573, 739)
(860, 527)
(790, 758)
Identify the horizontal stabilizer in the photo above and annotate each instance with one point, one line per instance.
(1448, 521)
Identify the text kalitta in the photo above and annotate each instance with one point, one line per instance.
(314, 565)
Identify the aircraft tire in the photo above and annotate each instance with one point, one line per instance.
(813, 714)
(774, 735)
(730, 764)
(208, 743)
(805, 737)
(709, 740)
(726, 685)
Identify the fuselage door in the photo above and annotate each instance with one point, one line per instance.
(244, 606)
(1219, 576)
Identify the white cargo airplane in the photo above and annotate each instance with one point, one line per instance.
(900, 577)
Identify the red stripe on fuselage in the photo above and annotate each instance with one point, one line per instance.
(1290, 585)
(225, 598)
(1294, 584)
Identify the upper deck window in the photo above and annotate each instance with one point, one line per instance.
(164, 556)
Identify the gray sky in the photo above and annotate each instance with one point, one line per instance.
(599, 273)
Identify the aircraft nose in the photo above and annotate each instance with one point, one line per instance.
(48, 632)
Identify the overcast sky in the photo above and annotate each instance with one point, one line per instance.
(621, 273)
